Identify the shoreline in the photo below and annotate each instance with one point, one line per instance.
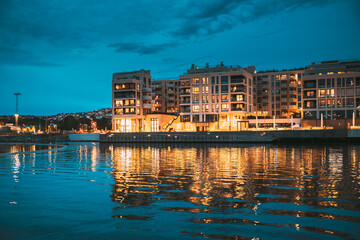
(260, 136)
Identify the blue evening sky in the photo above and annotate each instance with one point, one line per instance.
(61, 54)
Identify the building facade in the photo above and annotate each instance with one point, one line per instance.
(331, 89)
(166, 96)
(132, 100)
(223, 98)
(216, 95)
(278, 93)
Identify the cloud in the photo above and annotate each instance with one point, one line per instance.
(40, 27)
(216, 16)
(141, 48)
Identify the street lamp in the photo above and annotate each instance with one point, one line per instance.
(302, 113)
(16, 109)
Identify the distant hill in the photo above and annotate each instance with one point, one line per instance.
(97, 114)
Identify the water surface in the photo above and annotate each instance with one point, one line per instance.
(87, 190)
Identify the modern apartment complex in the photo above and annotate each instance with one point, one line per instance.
(132, 100)
(166, 95)
(331, 89)
(278, 93)
(228, 98)
(216, 95)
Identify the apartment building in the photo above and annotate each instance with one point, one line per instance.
(331, 89)
(215, 95)
(132, 100)
(278, 93)
(225, 98)
(166, 96)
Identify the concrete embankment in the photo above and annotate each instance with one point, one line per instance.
(235, 137)
(35, 138)
(196, 137)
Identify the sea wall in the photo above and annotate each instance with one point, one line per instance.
(235, 136)
(84, 137)
(37, 138)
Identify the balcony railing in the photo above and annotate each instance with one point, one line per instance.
(145, 89)
(146, 97)
(185, 102)
(147, 105)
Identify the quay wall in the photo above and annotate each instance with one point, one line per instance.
(84, 137)
(235, 136)
(35, 138)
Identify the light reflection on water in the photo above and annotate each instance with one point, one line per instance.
(87, 190)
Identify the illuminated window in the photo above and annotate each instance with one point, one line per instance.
(322, 103)
(119, 111)
(322, 93)
(339, 103)
(203, 81)
(224, 107)
(196, 108)
(224, 98)
(195, 90)
(196, 99)
(239, 97)
(154, 124)
(195, 81)
(118, 103)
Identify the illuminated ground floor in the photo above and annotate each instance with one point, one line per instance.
(173, 123)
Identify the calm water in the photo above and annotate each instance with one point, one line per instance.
(92, 191)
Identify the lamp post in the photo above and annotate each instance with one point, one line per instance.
(16, 109)
(256, 120)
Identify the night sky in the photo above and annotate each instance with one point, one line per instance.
(61, 54)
